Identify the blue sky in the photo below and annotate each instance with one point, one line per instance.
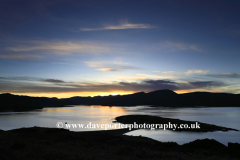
(65, 48)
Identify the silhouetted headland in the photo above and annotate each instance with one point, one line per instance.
(10, 102)
(147, 119)
(53, 143)
(165, 98)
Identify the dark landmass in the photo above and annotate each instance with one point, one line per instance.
(147, 119)
(51, 143)
(165, 98)
(10, 102)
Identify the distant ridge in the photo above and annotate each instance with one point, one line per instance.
(165, 98)
(10, 102)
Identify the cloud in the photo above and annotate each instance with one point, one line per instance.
(197, 71)
(63, 47)
(225, 75)
(100, 64)
(155, 76)
(142, 77)
(124, 25)
(53, 80)
(20, 78)
(108, 69)
(149, 85)
(20, 56)
(34, 50)
(189, 72)
(109, 65)
(130, 78)
(203, 84)
(62, 63)
(25, 79)
(176, 46)
(144, 85)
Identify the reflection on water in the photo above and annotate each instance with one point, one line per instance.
(58, 109)
(222, 116)
(48, 117)
(87, 110)
(185, 137)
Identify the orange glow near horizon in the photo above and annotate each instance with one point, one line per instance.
(115, 93)
(92, 94)
(196, 90)
(187, 91)
(73, 94)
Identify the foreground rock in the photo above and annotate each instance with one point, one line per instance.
(188, 125)
(49, 143)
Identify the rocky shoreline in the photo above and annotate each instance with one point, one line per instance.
(52, 143)
(147, 119)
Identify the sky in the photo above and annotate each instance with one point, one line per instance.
(65, 48)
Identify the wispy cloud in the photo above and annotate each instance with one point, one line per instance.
(53, 80)
(189, 72)
(202, 84)
(109, 65)
(32, 79)
(131, 78)
(108, 69)
(63, 47)
(176, 46)
(143, 77)
(197, 71)
(155, 76)
(63, 63)
(20, 78)
(21, 56)
(32, 50)
(225, 75)
(123, 25)
(143, 85)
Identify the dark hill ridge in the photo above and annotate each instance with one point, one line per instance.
(166, 98)
(24, 103)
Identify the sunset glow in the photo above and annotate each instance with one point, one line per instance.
(76, 48)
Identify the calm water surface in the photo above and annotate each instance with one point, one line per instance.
(49, 117)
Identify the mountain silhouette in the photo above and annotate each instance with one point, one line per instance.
(165, 98)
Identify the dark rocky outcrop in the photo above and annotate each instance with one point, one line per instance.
(49, 143)
(147, 119)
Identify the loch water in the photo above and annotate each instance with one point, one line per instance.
(81, 114)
